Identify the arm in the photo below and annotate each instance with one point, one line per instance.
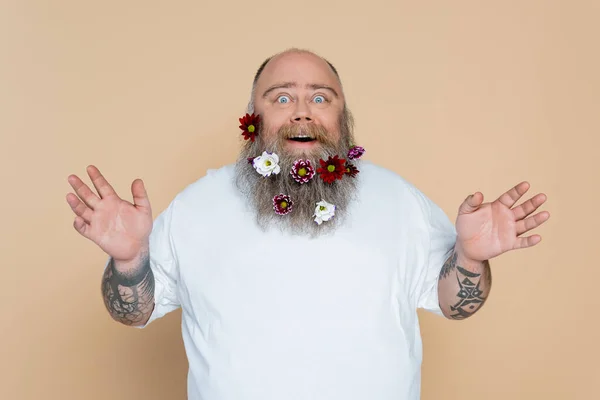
(129, 298)
(485, 231)
(463, 286)
(122, 230)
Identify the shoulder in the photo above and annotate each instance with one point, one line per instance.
(380, 185)
(401, 199)
(379, 181)
(213, 189)
(216, 182)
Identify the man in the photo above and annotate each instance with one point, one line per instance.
(300, 268)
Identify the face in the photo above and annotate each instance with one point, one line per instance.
(299, 100)
(299, 91)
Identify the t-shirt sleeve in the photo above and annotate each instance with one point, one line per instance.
(439, 242)
(163, 262)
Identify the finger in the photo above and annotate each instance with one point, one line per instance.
(513, 195)
(532, 222)
(79, 208)
(528, 241)
(529, 206)
(140, 197)
(471, 203)
(83, 191)
(81, 227)
(100, 183)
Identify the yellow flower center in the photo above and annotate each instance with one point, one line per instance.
(251, 128)
(322, 208)
(283, 204)
(331, 168)
(302, 171)
(268, 163)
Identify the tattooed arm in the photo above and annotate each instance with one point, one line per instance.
(485, 231)
(463, 286)
(129, 297)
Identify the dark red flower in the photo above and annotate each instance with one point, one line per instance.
(332, 169)
(351, 170)
(249, 126)
(282, 204)
(250, 160)
(302, 171)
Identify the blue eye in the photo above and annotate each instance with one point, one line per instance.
(319, 99)
(283, 99)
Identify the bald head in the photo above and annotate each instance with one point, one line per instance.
(290, 52)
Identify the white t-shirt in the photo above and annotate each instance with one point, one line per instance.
(269, 316)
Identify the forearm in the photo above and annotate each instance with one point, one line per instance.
(129, 298)
(464, 286)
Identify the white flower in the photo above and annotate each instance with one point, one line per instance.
(267, 164)
(324, 212)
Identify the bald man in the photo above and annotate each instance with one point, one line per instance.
(300, 268)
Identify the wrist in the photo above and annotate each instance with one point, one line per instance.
(132, 273)
(135, 259)
(132, 263)
(467, 262)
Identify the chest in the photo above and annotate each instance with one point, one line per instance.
(243, 278)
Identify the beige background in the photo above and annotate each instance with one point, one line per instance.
(455, 96)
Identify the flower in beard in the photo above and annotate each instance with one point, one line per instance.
(332, 169)
(266, 164)
(249, 126)
(355, 152)
(351, 170)
(302, 171)
(324, 212)
(282, 204)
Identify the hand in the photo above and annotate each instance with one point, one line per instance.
(120, 228)
(487, 230)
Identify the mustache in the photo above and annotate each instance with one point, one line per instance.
(313, 131)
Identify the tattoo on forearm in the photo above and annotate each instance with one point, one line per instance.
(471, 294)
(449, 265)
(129, 298)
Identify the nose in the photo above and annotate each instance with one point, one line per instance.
(301, 114)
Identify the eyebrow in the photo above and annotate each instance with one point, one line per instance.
(287, 85)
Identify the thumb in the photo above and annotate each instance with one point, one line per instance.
(471, 203)
(140, 197)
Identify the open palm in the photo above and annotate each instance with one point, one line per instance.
(487, 230)
(119, 227)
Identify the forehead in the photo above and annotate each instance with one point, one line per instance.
(300, 68)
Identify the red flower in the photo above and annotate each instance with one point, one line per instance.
(351, 170)
(332, 169)
(249, 126)
(302, 171)
(282, 204)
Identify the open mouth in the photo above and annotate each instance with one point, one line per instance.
(302, 139)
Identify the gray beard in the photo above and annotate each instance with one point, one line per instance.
(259, 191)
